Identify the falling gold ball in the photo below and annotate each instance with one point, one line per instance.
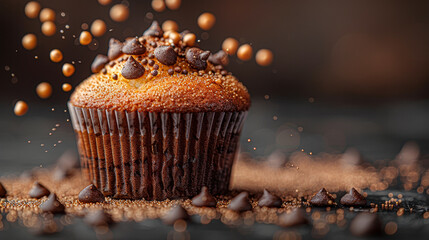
(32, 9)
(173, 4)
(119, 13)
(158, 5)
(68, 69)
(85, 38)
(56, 55)
(44, 90)
(245, 52)
(264, 57)
(66, 87)
(29, 41)
(98, 28)
(47, 14)
(21, 108)
(206, 21)
(49, 28)
(230, 46)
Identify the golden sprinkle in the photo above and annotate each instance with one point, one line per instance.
(44, 90)
(21, 108)
(56, 55)
(32, 9)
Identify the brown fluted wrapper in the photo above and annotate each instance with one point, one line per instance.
(156, 156)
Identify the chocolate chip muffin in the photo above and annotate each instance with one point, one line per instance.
(159, 118)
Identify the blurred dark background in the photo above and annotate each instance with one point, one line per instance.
(345, 73)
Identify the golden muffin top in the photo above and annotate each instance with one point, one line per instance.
(161, 72)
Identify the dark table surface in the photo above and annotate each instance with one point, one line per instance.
(378, 131)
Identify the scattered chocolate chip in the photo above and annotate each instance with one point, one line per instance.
(153, 44)
(103, 71)
(197, 58)
(166, 55)
(154, 72)
(219, 58)
(240, 203)
(99, 63)
(170, 71)
(66, 166)
(132, 69)
(175, 214)
(224, 72)
(91, 194)
(133, 47)
(353, 198)
(366, 224)
(322, 198)
(38, 191)
(115, 49)
(156, 66)
(151, 55)
(184, 71)
(3, 191)
(144, 61)
(52, 205)
(204, 199)
(295, 218)
(99, 218)
(154, 30)
(115, 76)
(177, 69)
(151, 62)
(269, 200)
(111, 64)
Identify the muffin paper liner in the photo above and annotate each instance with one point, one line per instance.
(154, 155)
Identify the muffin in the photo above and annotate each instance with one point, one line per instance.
(158, 118)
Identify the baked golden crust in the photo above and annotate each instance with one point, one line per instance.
(209, 90)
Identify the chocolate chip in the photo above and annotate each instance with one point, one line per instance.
(366, 224)
(353, 198)
(240, 203)
(154, 72)
(38, 191)
(133, 47)
(154, 30)
(99, 218)
(269, 200)
(204, 199)
(144, 61)
(151, 55)
(103, 71)
(219, 58)
(295, 218)
(322, 198)
(184, 71)
(115, 76)
(177, 69)
(170, 71)
(197, 58)
(153, 44)
(156, 66)
(91, 194)
(111, 64)
(52, 205)
(3, 191)
(115, 49)
(224, 72)
(151, 62)
(166, 55)
(99, 63)
(132, 69)
(66, 166)
(175, 214)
